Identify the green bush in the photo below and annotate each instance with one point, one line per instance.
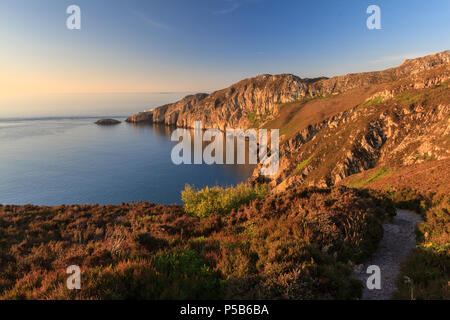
(202, 203)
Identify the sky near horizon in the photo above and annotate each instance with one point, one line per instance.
(204, 45)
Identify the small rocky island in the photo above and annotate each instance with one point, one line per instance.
(107, 122)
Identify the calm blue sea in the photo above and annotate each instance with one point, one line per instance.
(53, 161)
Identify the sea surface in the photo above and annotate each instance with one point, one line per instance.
(71, 160)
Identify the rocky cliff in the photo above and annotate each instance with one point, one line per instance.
(333, 128)
(252, 102)
(234, 107)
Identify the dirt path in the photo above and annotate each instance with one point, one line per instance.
(398, 241)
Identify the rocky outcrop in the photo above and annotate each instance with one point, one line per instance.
(252, 102)
(146, 116)
(107, 122)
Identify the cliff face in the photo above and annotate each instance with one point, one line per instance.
(236, 106)
(252, 102)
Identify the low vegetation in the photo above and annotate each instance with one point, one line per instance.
(256, 120)
(382, 172)
(409, 98)
(303, 164)
(373, 101)
(295, 245)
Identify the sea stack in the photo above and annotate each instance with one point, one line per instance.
(107, 122)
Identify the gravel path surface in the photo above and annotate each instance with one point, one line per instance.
(398, 241)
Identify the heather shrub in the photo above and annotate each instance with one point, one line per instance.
(174, 275)
(425, 275)
(292, 245)
(202, 203)
(298, 244)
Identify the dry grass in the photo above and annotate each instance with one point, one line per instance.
(430, 176)
(296, 116)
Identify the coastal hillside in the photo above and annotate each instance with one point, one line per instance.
(333, 128)
(401, 125)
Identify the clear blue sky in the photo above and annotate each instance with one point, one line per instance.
(203, 45)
